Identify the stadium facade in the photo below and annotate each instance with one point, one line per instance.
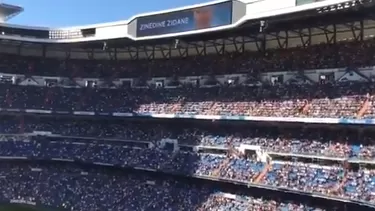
(247, 26)
(289, 81)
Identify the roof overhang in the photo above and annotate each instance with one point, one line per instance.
(8, 11)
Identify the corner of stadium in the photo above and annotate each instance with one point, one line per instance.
(229, 105)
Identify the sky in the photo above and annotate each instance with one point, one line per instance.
(62, 13)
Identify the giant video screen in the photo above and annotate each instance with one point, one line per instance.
(302, 2)
(185, 20)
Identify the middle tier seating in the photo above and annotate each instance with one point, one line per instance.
(140, 145)
(340, 100)
(332, 181)
(330, 143)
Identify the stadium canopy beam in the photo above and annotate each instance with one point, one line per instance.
(241, 49)
(165, 52)
(194, 44)
(282, 41)
(357, 31)
(260, 42)
(183, 52)
(331, 35)
(201, 51)
(362, 30)
(360, 35)
(150, 53)
(132, 52)
(242, 46)
(244, 40)
(306, 42)
(304, 35)
(238, 45)
(218, 46)
(260, 45)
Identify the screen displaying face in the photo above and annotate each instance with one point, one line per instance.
(185, 20)
(203, 17)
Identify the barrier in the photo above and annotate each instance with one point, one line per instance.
(203, 117)
(227, 180)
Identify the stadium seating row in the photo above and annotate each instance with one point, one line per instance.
(140, 145)
(341, 100)
(332, 144)
(345, 54)
(339, 181)
(70, 187)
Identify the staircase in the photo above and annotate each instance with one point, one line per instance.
(213, 108)
(342, 183)
(306, 107)
(223, 165)
(176, 107)
(263, 173)
(364, 108)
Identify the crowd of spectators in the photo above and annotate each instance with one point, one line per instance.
(305, 177)
(331, 143)
(76, 188)
(340, 100)
(137, 145)
(330, 180)
(318, 100)
(360, 185)
(345, 54)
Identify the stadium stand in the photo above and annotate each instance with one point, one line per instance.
(86, 188)
(148, 149)
(90, 125)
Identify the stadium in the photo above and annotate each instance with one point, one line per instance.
(242, 105)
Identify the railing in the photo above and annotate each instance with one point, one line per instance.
(240, 182)
(193, 116)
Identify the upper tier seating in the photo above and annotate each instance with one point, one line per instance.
(345, 54)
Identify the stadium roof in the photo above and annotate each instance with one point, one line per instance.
(8, 11)
(283, 31)
(249, 29)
